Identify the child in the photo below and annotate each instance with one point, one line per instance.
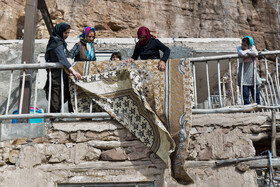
(116, 56)
(249, 51)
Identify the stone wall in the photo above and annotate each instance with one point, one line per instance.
(227, 136)
(105, 152)
(165, 18)
(80, 152)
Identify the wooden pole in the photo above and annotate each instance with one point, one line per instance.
(28, 52)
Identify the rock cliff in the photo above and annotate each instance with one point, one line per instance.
(165, 18)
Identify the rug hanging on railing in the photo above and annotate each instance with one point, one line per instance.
(155, 99)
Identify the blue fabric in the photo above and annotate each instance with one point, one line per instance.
(251, 42)
(246, 96)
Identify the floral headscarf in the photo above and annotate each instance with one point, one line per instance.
(90, 53)
(86, 32)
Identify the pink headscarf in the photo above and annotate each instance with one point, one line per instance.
(144, 31)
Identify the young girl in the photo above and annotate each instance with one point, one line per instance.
(249, 52)
(116, 56)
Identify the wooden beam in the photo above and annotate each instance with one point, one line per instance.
(257, 162)
(28, 54)
(273, 137)
(42, 6)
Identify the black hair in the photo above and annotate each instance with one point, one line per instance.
(246, 40)
(116, 54)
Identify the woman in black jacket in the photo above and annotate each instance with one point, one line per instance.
(148, 48)
(56, 50)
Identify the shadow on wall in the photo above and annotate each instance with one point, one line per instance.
(20, 27)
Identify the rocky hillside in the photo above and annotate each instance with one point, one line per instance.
(165, 18)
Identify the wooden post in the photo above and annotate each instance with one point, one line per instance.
(273, 137)
(28, 53)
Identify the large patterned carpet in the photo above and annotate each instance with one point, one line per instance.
(154, 106)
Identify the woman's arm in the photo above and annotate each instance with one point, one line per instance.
(164, 49)
(252, 51)
(135, 53)
(59, 51)
(74, 51)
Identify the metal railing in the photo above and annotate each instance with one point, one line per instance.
(215, 99)
(269, 90)
(47, 114)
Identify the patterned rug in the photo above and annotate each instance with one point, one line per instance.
(154, 106)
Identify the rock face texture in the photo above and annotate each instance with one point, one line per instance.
(165, 18)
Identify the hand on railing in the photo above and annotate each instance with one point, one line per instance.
(75, 73)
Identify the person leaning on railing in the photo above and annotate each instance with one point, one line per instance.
(148, 48)
(249, 52)
(56, 52)
(84, 49)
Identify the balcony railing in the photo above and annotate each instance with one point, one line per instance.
(222, 92)
(218, 92)
(6, 113)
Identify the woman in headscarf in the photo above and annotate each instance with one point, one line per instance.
(56, 52)
(84, 49)
(148, 48)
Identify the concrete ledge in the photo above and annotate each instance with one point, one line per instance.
(21, 130)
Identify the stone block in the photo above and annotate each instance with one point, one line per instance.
(137, 152)
(58, 137)
(117, 154)
(21, 130)
(29, 157)
(57, 153)
(13, 156)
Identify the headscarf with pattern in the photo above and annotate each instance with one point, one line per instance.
(89, 48)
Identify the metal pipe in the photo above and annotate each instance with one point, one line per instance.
(255, 79)
(50, 90)
(36, 90)
(219, 83)
(208, 86)
(277, 77)
(231, 83)
(75, 98)
(10, 91)
(30, 66)
(194, 85)
(241, 82)
(270, 89)
(90, 107)
(273, 89)
(223, 57)
(267, 81)
(57, 115)
(22, 92)
(62, 90)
